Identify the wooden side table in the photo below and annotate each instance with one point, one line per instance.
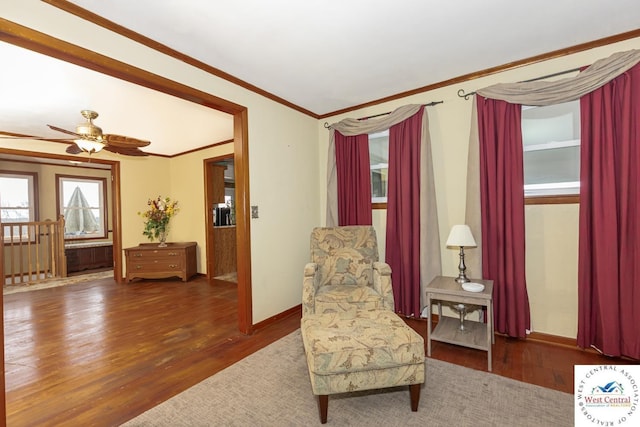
(477, 335)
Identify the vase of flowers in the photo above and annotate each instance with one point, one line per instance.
(162, 238)
(156, 218)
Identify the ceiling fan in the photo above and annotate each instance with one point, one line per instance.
(88, 138)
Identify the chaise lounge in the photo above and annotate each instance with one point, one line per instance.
(352, 338)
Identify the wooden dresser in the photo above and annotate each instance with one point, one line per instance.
(148, 261)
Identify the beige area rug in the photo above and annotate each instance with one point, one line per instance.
(271, 388)
(52, 283)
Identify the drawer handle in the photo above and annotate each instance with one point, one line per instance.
(138, 255)
(138, 267)
(172, 253)
(173, 265)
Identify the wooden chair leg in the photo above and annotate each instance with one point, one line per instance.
(414, 391)
(323, 404)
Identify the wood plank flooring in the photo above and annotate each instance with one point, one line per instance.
(532, 361)
(99, 353)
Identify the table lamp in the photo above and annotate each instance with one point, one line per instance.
(460, 236)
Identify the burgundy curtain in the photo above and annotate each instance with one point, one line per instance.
(354, 179)
(403, 213)
(502, 205)
(609, 242)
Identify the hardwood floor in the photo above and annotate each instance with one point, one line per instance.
(99, 353)
(544, 364)
(532, 361)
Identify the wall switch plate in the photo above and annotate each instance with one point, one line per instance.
(254, 211)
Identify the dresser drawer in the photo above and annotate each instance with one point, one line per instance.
(164, 263)
(155, 254)
(161, 259)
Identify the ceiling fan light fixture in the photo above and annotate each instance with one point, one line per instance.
(89, 146)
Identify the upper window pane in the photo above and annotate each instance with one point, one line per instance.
(551, 139)
(17, 197)
(82, 201)
(17, 203)
(379, 161)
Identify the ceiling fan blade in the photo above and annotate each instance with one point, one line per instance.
(11, 135)
(38, 138)
(68, 132)
(127, 151)
(124, 141)
(73, 149)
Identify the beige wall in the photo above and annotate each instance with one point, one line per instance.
(552, 268)
(551, 230)
(143, 178)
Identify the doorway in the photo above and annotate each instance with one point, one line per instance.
(50, 46)
(221, 236)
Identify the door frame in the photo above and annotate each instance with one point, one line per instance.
(36, 41)
(208, 196)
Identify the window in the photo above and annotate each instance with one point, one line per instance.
(551, 139)
(82, 202)
(17, 202)
(379, 161)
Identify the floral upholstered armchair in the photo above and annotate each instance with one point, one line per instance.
(344, 272)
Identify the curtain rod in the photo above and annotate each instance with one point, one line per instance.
(430, 104)
(466, 96)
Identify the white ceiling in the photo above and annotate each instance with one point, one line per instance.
(38, 90)
(322, 56)
(330, 55)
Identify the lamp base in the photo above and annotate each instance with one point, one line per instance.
(462, 310)
(462, 279)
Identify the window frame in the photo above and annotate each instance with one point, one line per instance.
(552, 200)
(102, 182)
(33, 197)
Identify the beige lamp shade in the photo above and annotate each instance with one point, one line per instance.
(460, 235)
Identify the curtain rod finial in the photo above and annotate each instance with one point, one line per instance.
(466, 96)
